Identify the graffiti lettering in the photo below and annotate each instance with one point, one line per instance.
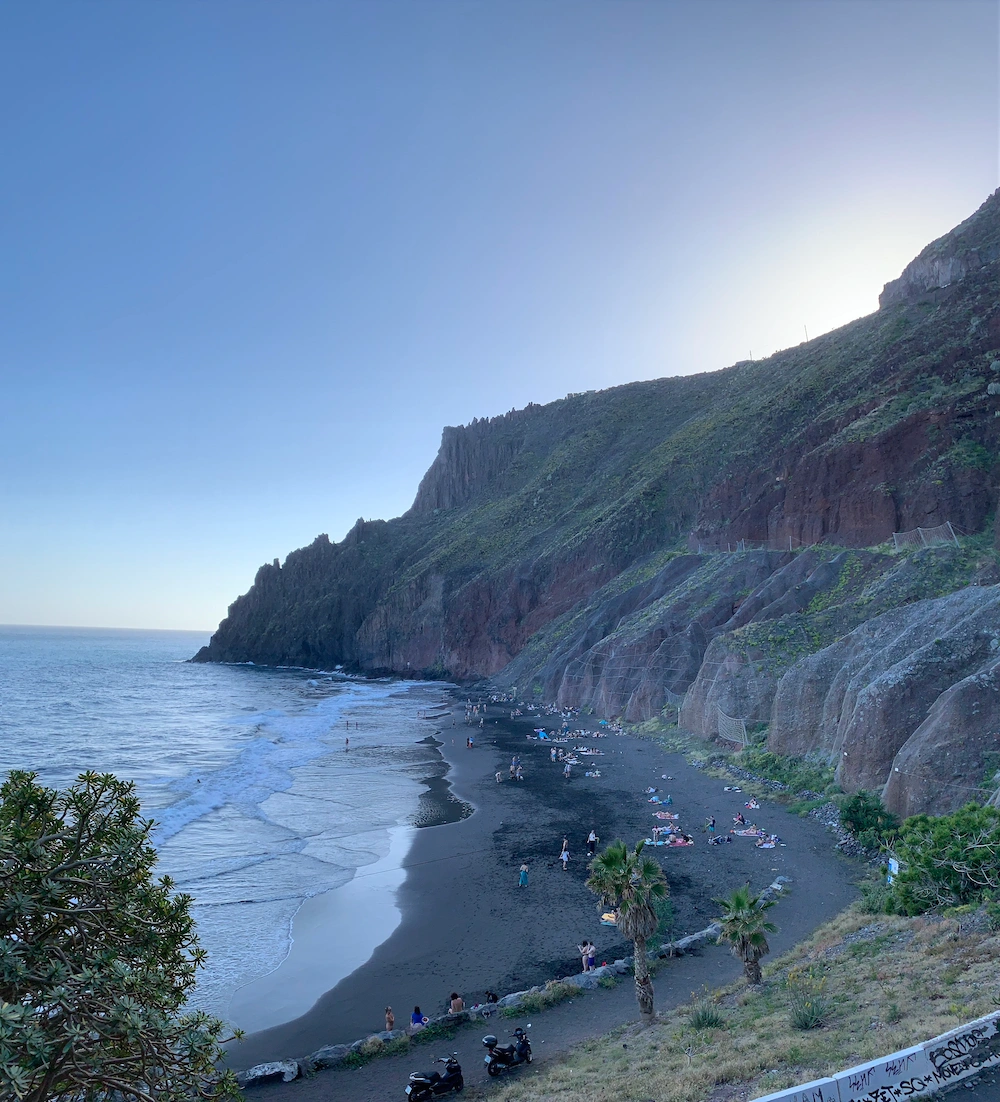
(957, 1046)
(964, 1053)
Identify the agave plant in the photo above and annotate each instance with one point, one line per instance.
(631, 884)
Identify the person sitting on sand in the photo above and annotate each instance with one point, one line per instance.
(492, 997)
(457, 1004)
(739, 820)
(752, 804)
(417, 1020)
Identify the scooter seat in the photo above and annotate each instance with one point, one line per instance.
(507, 1049)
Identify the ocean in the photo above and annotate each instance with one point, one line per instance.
(258, 806)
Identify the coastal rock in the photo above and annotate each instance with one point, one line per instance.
(285, 1070)
(513, 999)
(329, 1056)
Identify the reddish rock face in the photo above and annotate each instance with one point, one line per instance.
(855, 493)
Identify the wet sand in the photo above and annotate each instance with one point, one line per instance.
(466, 925)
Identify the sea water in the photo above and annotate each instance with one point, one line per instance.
(258, 803)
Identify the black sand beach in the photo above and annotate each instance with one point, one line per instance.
(466, 926)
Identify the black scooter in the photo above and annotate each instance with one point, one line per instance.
(424, 1086)
(502, 1057)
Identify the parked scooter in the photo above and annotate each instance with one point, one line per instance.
(502, 1057)
(424, 1086)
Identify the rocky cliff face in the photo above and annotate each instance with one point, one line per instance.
(576, 549)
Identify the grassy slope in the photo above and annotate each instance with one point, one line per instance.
(891, 983)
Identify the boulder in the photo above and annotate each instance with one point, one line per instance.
(286, 1070)
(329, 1056)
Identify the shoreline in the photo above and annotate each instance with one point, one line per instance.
(466, 926)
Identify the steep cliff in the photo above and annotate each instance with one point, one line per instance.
(573, 548)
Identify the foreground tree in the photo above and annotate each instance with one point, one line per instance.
(631, 885)
(96, 959)
(745, 929)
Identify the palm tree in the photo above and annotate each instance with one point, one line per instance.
(630, 883)
(744, 927)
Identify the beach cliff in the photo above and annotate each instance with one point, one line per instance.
(721, 542)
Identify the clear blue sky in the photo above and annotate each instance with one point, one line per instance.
(255, 255)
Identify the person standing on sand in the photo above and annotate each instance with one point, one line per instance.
(591, 957)
(522, 880)
(584, 948)
(390, 1020)
(711, 824)
(592, 841)
(564, 854)
(566, 770)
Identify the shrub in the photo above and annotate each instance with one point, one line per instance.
(797, 773)
(875, 896)
(809, 1006)
(865, 817)
(706, 1017)
(608, 981)
(947, 860)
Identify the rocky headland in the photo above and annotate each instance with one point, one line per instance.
(713, 542)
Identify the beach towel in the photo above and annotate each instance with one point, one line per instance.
(679, 843)
(750, 832)
(666, 814)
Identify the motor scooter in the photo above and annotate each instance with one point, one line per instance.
(423, 1086)
(501, 1057)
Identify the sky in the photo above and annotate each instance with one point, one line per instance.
(254, 255)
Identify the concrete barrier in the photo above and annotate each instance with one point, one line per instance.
(922, 1069)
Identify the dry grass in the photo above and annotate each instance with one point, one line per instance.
(892, 982)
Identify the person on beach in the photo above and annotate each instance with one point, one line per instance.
(710, 823)
(592, 841)
(347, 744)
(591, 957)
(552, 754)
(522, 880)
(566, 770)
(457, 1004)
(390, 1020)
(499, 777)
(417, 1020)
(584, 948)
(519, 774)
(564, 854)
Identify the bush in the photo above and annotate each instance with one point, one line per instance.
(947, 860)
(706, 1017)
(865, 817)
(875, 896)
(809, 1007)
(797, 773)
(608, 982)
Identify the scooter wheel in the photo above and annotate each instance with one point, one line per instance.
(493, 1068)
(527, 1058)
